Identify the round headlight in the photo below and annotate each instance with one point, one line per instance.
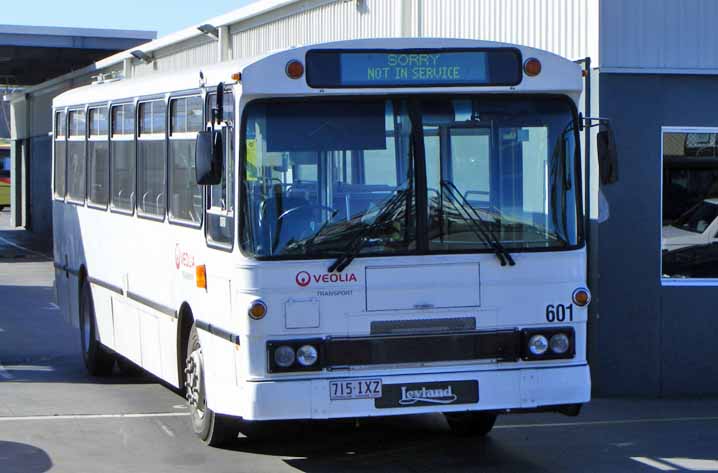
(538, 344)
(284, 356)
(307, 355)
(559, 343)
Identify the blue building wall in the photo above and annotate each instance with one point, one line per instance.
(650, 340)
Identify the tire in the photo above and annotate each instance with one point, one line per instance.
(212, 429)
(471, 424)
(98, 361)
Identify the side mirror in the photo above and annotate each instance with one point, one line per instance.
(607, 155)
(208, 157)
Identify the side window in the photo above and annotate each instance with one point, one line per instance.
(185, 194)
(151, 159)
(76, 177)
(98, 150)
(122, 146)
(60, 153)
(220, 213)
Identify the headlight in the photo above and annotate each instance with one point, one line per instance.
(559, 343)
(538, 344)
(307, 355)
(284, 356)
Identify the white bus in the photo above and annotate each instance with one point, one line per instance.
(360, 228)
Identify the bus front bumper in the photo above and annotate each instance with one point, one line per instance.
(527, 388)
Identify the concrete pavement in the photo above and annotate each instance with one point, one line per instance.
(55, 418)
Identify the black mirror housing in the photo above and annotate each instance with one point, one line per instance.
(208, 157)
(607, 155)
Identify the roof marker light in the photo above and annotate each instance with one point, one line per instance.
(294, 69)
(532, 67)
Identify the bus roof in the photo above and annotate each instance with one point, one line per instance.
(265, 75)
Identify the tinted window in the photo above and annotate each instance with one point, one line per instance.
(60, 153)
(151, 159)
(220, 217)
(98, 150)
(76, 177)
(122, 147)
(186, 196)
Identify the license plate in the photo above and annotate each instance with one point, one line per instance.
(428, 394)
(355, 389)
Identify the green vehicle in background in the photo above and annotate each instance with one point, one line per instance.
(4, 174)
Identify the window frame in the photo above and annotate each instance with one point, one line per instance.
(97, 138)
(58, 111)
(152, 137)
(229, 248)
(69, 139)
(577, 158)
(132, 138)
(673, 281)
(177, 137)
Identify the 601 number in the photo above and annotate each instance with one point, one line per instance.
(559, 313)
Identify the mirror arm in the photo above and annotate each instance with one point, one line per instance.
(586, 122)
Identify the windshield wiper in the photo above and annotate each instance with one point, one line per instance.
(478, 224)
(355, 245)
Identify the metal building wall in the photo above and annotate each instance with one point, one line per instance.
(315, 22)
(566, 27)
(669, 36)
(195, 52)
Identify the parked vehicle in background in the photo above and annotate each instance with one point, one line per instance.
(697, 226)
(362, 228)
(4, 174)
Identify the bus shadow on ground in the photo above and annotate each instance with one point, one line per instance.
(402, 443)
(23, 458)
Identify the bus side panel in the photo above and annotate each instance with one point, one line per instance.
(102, 300)
(223, 395)
(151, 349)
(168, 347)
(127, 330)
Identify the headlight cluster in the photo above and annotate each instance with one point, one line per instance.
(294, 355)
(549, 344)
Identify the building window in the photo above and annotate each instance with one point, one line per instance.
(60, 153)
(185, 194)
(122, 147)
(689, 237)
(76, 177)
(151, 159)
(98, 149)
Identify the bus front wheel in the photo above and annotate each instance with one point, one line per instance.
(470, 424)
(212, 428)
(97, 360)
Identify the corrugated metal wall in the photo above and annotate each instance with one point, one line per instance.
(195, 52)
(327, 22)
(659, 34)
(566, 27)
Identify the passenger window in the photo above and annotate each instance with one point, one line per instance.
(151, 159)
(122, 147)
(220, 213)
(185, 194)
(98, 150)
(76, 176)
(60, 153)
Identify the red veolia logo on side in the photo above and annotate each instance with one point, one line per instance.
(303, 279)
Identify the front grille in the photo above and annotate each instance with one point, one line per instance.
(467, 346)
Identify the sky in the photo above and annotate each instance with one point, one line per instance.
(163, 16)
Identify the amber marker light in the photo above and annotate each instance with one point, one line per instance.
(237, 76)
(295, 69)
(257, 310)
(201, 276)
(532, 67)
(581, 297)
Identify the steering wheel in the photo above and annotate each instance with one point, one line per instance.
(291, 211)
(308, 230)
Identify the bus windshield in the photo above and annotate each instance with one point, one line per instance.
(325, 177)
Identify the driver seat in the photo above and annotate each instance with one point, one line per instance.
(275, 232)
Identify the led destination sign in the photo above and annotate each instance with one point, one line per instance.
(413, 68)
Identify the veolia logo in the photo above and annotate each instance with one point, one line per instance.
(303, 279)
(178, 256)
